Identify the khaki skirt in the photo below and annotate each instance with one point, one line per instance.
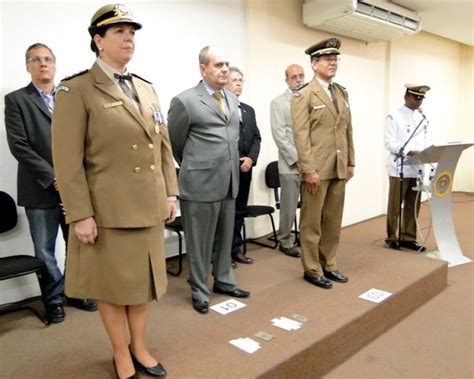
(126, 266)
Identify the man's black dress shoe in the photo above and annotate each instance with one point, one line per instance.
(201, 306)
(233, 264)
(242, 259)
(290, 251)
(236, 292)
(319, 281)
(392, 245)
(55, 313)
(336, 276)
(412, 245)
(157, 371)
(88, 305)
(134, 376)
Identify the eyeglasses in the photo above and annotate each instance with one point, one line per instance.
(39, 60)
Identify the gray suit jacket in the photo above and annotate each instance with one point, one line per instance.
(205, 145)
(282, 132)
(28, 126)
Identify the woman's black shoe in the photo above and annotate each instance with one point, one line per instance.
(134, 376)
(157, 371)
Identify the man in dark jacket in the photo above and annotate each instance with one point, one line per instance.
(249, 147)
(28, 126)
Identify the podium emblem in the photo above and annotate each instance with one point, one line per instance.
(443, 183)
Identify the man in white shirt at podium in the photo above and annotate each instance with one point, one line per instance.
(406, 134)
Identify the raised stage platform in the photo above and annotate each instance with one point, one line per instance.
(191, 345)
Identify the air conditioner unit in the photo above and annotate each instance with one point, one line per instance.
(366, 20)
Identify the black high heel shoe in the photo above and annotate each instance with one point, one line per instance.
(134, 376)
(157, 371)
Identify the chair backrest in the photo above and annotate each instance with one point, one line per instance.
(272, 178)
(8, 215)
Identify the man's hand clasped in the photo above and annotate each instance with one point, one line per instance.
(313, 181)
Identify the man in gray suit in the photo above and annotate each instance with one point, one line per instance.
(28, 125)
(282, 132)
(203, 125)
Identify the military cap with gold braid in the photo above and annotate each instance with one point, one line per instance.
(418, 91)
(112, 14)
(327, 47)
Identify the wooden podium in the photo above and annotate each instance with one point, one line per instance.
(447, 157)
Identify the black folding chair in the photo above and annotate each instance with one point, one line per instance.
(256, 211)
(18, 265)
(177, 227)
(272, 180)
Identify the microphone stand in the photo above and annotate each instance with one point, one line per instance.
(400, 155)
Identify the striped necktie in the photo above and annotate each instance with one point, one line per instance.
(221, 103)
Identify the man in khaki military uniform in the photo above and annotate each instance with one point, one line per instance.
(323, 136)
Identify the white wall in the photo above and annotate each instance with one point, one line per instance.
(374, 75)
(166, 54)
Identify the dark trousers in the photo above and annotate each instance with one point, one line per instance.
(240, 209)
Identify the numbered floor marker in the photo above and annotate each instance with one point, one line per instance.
(246, 344)
(228, 306)
(376, 296)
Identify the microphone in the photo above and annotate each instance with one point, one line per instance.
(424, 117)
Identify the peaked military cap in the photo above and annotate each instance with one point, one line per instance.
(417, 90)
(327, 47)
(112, 14)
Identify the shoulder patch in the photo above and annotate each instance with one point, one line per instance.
(62, 87)
(301, 86)
(74, 75)
(139, 77)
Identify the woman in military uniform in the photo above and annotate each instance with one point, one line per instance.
(117, 180)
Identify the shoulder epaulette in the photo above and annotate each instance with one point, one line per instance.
(139, 77)
(338, 85)
(74, 75)
(301, 86)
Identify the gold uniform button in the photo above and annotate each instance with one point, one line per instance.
(135, 147)
(152, 167)
(137, 169)
(151, 146)
(338, 151)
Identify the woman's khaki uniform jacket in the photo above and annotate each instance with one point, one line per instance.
(114, 163)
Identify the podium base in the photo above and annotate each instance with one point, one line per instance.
(452, 261)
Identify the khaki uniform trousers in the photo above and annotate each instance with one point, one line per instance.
(410, 206)
(321, 218)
